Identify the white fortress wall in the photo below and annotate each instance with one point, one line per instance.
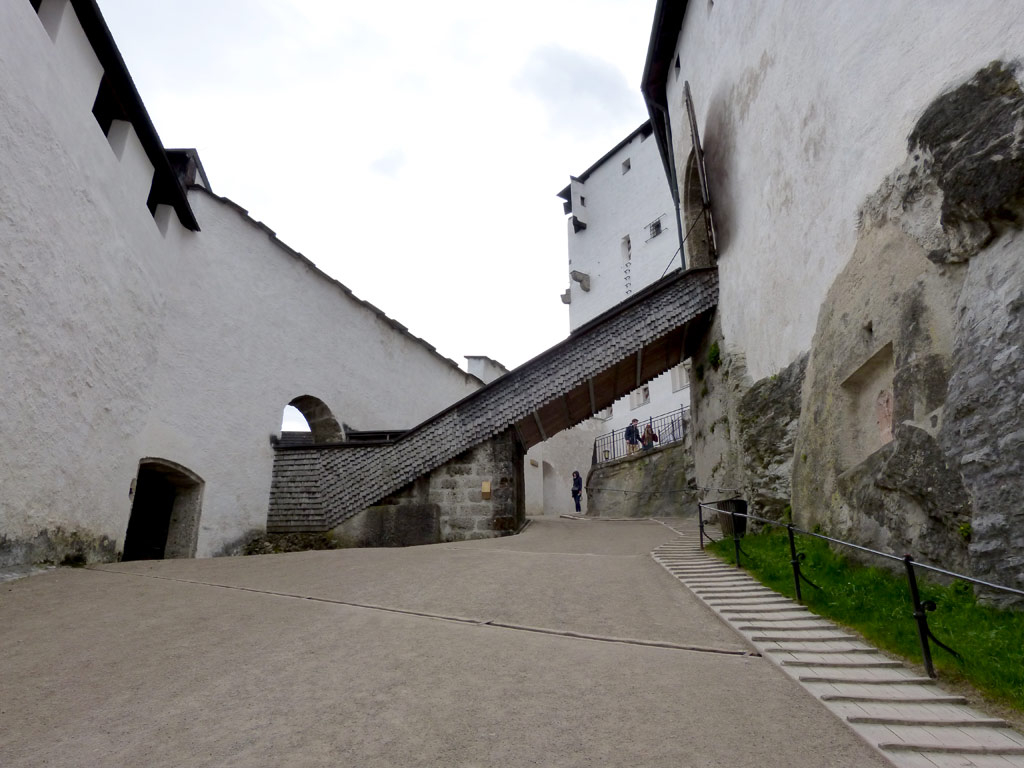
(255, 327)
(122, 339)
(838, 86)
(81, 311)
(620, 205)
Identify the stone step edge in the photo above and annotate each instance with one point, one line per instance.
(776, 628)
(883, 664)
(944, 749)
(770, 639)
(863, 699)
(821, 651)
(929, 722)
(726, 595)
(767, 609)
(865, 681)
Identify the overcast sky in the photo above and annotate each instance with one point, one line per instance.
(411, 150)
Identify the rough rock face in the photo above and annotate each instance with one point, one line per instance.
(656, 483)
(964, 171)
(718, 381)
(769, 414)
(904, 498)
(912, 437)
(868, 464)
(983, 431)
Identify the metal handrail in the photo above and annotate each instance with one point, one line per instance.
(669, 427)
(921, 608)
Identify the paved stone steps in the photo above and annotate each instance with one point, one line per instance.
(909, 719)
(833, 664)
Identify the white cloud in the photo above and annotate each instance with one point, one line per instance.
(402, 123)
(389, 164)
(584, 96)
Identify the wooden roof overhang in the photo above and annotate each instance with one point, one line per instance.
(602, 389)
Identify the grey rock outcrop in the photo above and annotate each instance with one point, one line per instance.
(769, 415)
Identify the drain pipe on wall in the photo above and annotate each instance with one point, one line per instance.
(673, 180)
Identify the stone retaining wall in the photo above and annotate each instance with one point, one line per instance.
(449, 503)
(655, 483)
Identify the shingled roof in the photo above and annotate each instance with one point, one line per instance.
(317, 487)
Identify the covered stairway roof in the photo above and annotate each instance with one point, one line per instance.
(600, 362)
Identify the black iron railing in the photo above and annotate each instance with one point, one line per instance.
(921, 608)
(669, 428)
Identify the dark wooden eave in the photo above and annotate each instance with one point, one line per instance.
(668, 21)
(167, 190)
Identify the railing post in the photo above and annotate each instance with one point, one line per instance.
(919, 616)
(700, 522)
(735, 537)
(795, 561)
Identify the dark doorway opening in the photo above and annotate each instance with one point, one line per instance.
(164, 521)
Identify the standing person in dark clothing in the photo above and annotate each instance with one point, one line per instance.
(577, 489)
(632, 438)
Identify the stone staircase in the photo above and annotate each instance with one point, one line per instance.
(908, 718)
(316, 487)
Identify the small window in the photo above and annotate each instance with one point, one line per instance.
(625, 165)
(640, 397)
(627, 250)
(655, 228)
(677, 65)
(680, 379)
(583, 201)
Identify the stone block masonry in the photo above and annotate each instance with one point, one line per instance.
(655, 483)
(448, 503)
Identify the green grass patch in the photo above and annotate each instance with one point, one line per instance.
(876, 603)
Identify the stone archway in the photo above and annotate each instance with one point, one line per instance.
(322, 424)
(166, 506)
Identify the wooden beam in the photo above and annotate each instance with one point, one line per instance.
(639, 365)
(568, 412)
(593, 400)
(519, 435)
(540, 427)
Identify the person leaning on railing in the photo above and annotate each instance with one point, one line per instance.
(649, 438)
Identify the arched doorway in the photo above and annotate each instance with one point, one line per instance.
(166, 504)
(322, 424)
